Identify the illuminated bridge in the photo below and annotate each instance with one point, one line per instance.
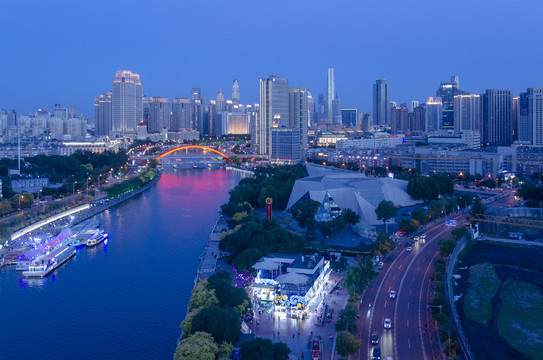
(186, 156)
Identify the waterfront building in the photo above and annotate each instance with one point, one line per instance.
(467, 113)
(274, 110)
(447, 91)
(182, 114)
(433, 115)
(236, 96)
(127, 102)
(237, 123)
(498, 118)
(159, 114)
(530, 122)
(29, 185)
(102, 114)
(70, 147)
(381, 102)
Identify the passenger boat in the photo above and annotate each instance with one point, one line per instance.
(95, 240)
(49, 262)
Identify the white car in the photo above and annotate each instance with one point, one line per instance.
(392, 294)
(416, 238)
(423, 236)
(388, 323)
(409, 248)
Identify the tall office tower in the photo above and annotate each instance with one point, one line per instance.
(381, 102)
(399, 118)
(254, 129)
(530, 124)
(159, 115)
(273, 109)
(198, 123)
(419, 118)
(365, 121)
(72, 113)
(221, 102)
(126, 99)
(12, 118)
(182, 114)
(515, 118)
(336, 111)
(330, 95)
(146, 108)
(321, 108)
(497, 118)
(349, 117)
(414, 104)
(467, 113)
(60, 112)
(434, 115)
(236, 98)
(285, 147)
(3, 125)
(196, 94)
(102, 115)
(311, 109)
(299, 115)
(447, 91)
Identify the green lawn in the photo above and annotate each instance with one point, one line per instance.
(484, 284)
(520, 321)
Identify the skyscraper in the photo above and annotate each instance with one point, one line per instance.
(102, 115)
(126, 99)
(254, 129)
(274, 110)
(381, 101)
(399, 118)
(447, 91)
(330, 95)
(336, 111)
(221, 102)
(498, 118)
(159, 115)
(236, 96)
(419, 118)
(530, 122)
(467, 113)
(365, 121)
(349, 117)
(433, 115)
(182, 114)
(299, 115)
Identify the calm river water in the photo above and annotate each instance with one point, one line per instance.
(124, 300)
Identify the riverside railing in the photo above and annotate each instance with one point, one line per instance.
(451, 265)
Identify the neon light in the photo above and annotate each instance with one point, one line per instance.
(191, 147)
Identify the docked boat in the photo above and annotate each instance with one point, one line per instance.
(95, 240)
(78, 242)
(49, 262)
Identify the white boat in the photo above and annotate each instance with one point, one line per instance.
(49, 262)
(95, 240)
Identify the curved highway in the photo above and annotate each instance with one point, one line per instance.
(406, 273)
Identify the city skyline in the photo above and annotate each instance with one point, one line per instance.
(76, 77)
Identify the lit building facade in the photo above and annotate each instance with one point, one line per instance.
(127, 102)
(274, 110)
(381, 102)
(498, 118)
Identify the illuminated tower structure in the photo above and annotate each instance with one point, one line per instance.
(274, 110)
(447, 91)
(330, 95)
(236, 98)
(126, 99)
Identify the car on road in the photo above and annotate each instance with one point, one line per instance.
(388, 323)
(376, 353)
(374, 338)
(416, 238)
(392, 294)
(423, 236)
(380, 265)
(409, 248)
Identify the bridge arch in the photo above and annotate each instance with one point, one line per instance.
(191, 147)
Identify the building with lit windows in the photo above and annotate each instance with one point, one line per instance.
(274, 110)
(381, 102)
(498, 118)
(159, 114)
(127, 102)
(530, 122)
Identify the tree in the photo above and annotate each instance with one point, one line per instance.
(266, 192)
(351, 217)
(326, 228)
(465, 200)
(305, 212)
(338, 224)
(385, 211)
(347, 344)
(409, 225)
(199, 346)
(186, 325)
(420, 216)
(280, 351)
(264, 349)
(358, 277)
(227, 294)
(445, 183)
(246, 259)
(446, 246)
(383, 244)
(234, 159)
(222, 323)
(347, 320)
(478, 208)
(202, 296)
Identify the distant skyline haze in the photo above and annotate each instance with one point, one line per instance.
(68, 52)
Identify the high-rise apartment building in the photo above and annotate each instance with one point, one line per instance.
(285, 145)
(530, 122)
(433, 115)
(321, 108)
(498, 118)
(254, 129)
(399, 118)
(414, 105)
(365, 121)
(236, 96)
(311, 109)
(126, 99)
(336, 111)
(159, 115)
(196, 94)
(274, 109)
(467, 113)
(381, 102)
(419, 118)
(447, 91)
(182, 114)
(102, 115)
(299, 115)
(221, 101)
(330, 95)
(349, 117)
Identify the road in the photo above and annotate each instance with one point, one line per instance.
(407, 273)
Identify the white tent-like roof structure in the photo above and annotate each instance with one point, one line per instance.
(350, 189)
(292, 278)
(266, 265)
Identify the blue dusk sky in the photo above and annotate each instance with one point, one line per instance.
(67, 51)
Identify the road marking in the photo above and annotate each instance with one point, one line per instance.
(409, 343)
(394, 278)
(422, 303)
(400, 267)
(385, 303)
(407, 322)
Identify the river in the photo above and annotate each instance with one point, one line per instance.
(126, 299)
